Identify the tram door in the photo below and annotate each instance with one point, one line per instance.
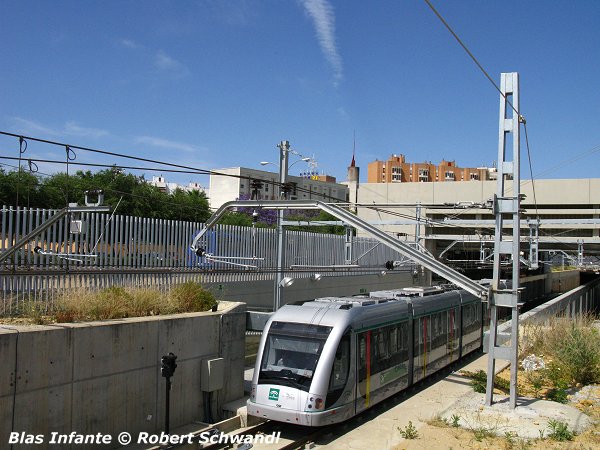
(363, 370)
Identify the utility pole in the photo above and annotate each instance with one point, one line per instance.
(284, 151)
(507, 205)
(418, 223)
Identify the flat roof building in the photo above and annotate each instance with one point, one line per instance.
(569, 210)
(235, 183)
(163, 185)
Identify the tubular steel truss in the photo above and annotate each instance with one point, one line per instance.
(414, 254)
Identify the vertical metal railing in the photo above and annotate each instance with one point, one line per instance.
(129, 250)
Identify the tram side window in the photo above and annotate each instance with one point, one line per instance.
(339, 371)
(362, 356)
(403, 341)
(380, 355)
(394, 340)
(439, 327)
(472, 313)
(423, 332)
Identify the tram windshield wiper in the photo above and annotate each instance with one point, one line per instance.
(284, 376)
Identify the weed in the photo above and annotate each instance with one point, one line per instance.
(455, 421)
(559, 431)
(29, 308)
(523, 444)
(438, 421)
(557, 395)
(482, 433)
(502, 384)
(571, 347)
(580, 354)
(479, 381)
(409, 432)
(510, 438)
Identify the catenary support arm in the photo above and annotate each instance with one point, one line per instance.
(401, 247)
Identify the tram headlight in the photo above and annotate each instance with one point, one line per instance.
(315, 403)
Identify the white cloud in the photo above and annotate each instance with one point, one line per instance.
(167, 63)
(30, 127)
(73, 129)
(165, 143)
(128, 43)
(70, 128)
(321, 12)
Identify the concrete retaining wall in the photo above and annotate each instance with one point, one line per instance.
(563, 281)
(258, 295)
(105, 376)
(580, 300)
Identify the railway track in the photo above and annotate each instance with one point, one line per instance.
(265, 435)
(291, 437)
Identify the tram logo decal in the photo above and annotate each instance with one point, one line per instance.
(273, 394)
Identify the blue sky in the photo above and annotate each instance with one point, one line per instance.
(215, 84)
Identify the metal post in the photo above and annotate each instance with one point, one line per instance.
(284, 150)
(418, 223)
(167, 404)
(506, 207)
(534, 244)
(579, 252)
(348, 245)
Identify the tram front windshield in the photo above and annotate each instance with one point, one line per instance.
(291, 354)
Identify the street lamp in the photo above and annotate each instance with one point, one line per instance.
(305, 159)
(280, 281)
(284, 150)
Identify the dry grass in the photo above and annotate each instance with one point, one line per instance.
(117, 303)
(570, 349)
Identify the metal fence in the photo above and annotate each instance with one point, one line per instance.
(94, 250)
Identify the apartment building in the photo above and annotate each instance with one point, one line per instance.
(397, 170)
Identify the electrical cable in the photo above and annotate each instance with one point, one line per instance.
(531, 172)
(520, 117)
(472, 57)
(115, 191)
(153, 161)
(22, 149)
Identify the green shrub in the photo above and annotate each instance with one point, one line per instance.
(479, 381)
(409, 432)
(558, 395)
(559, 431)
(579, 353)
(191, 296)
